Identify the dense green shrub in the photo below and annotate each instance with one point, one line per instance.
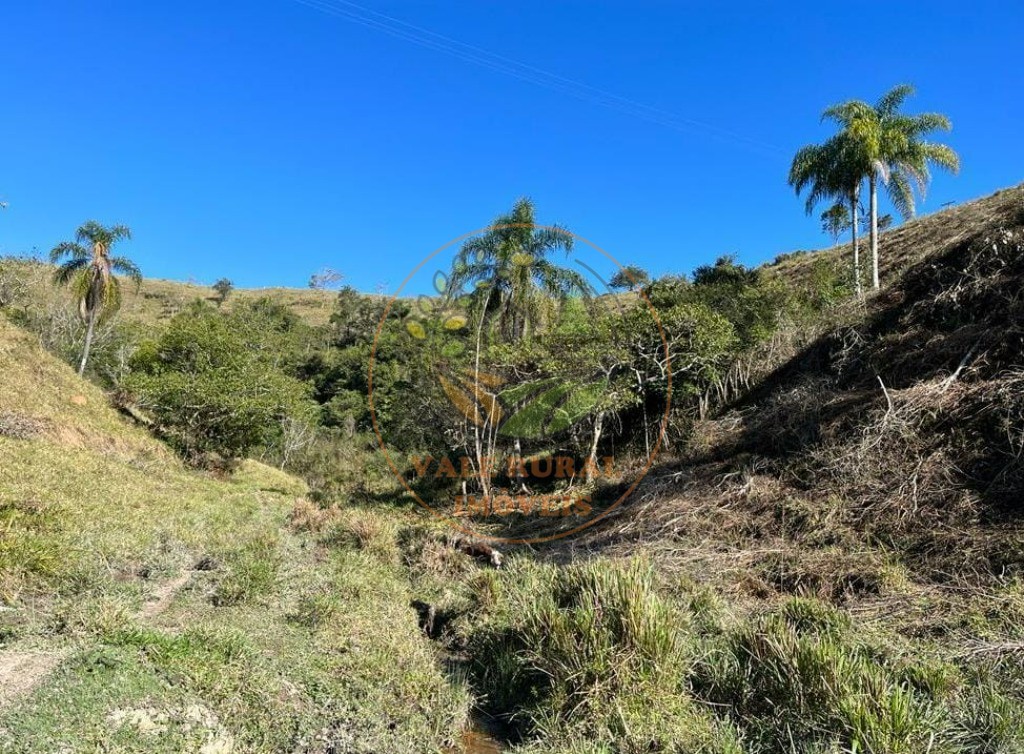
(216, 384)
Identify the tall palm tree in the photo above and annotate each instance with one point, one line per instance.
(893, 151)
(832, 172)
(510, 267)
(88, 269)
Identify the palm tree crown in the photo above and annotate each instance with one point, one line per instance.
(891, 148)
(880, 144)
(511, 270)
(892, 144)
(87, 267)
(831, 172)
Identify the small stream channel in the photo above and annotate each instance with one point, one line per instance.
(480, 737)
(483, 734)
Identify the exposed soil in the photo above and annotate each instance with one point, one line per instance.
(21, 671)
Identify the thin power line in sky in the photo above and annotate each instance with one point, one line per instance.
(525, 72)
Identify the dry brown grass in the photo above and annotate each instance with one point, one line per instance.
(881, 467)
(363, 530)
(310, 517)
(157, 301)
(924, 236)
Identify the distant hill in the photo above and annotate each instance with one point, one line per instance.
(159, 300)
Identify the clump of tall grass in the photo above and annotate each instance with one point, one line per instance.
(592, 651)
(309, 517)
(991, 721)
(800, 677)
(364, 530)
(252, 572)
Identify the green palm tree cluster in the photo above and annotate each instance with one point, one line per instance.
(88, 268)
(511, 273)
(878, 144)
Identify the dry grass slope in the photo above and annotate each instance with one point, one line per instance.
(910, 242)
(880, 467)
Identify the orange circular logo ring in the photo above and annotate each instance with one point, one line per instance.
(451, 519)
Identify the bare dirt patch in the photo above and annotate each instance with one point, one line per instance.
(22, 671)
(162, 596)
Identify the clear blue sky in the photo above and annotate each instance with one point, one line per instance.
(263, 139)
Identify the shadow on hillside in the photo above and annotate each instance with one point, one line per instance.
(934, 370)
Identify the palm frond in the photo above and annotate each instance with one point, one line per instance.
(110, 297)
(893, 99)
(92, 232)
(68, 249)
(63, 274)
(831, 170)
(560, 282)
(941, 155)
(128, 268)
(901, 193)
(120, 233)
(83, 289)
(926, 123)
(846, 113)
(546, 240)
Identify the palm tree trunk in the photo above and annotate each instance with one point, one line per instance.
(592, 458)
(88, 341)
(873, 183)
(856, 247)
(483, 466)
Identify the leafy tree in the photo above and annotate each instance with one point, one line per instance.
(753, 303)
(89, 270)
(510, 269)
(725, 271)
(356, 317)
(832, 171)
(836, 220)
(891, 149)
(826, 285)
(668, 290)
(402, 378)
(223, 287)
(325, 279)
(629, 278)
(214, 383)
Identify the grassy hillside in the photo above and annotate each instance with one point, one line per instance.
(912, 241)
(901, 425)
(145, 607)
(871, 482)
(159, 300)
(835, 563)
